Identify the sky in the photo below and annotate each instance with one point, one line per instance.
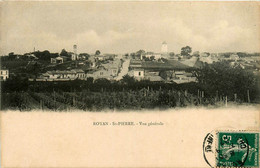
(124, 27)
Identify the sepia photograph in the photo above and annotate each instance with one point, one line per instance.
(94, 56)
(113, 66)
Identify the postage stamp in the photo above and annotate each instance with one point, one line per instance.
(238, 149)
(231, 149)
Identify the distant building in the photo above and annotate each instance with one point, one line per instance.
(30, 55)
(107, 70)
(164, 48)
(57, 60)
(183, 77)
(113, 67)
(4, 74)
(100, 57)
(100, 73)
(155, 55)
(63, 75)
(170, 70)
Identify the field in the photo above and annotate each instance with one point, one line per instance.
(104, 100)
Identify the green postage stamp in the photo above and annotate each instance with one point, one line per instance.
(238, 149)
(231, 149)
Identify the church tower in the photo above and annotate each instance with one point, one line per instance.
(74, 55)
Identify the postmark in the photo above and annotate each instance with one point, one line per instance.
(231, 149)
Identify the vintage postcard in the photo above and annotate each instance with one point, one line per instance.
(129, 84)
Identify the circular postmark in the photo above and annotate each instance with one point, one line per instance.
(225, 149)
(209, 149)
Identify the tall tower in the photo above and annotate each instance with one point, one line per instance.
(164, 48)
(74, 55)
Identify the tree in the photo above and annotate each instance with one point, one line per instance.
(171, 54)
(227, 55)
(196, 54)
(163, 74)
(36, 69)
(46, 53)
(133, 55)
(90, 80)
(11, 56)
(128, 79)
(54, 55)
(152, 58)
(185, 51)
(86, 55)
(221, 77)
(64, 53)
(140, 52)
(102, 82)
(147, 59)
(97, 52)
(241, 54)
(43, 55)
(207, 53)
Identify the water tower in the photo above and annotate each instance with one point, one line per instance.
(164, 48)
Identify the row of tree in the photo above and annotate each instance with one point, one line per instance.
(43, 55)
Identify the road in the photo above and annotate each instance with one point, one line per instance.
(124, 69)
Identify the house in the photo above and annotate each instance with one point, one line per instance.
(135, 64)
(113, 66)
(189, 62)
(102, 57)
(139, 73)
(183, 77)
(66, 75)
(154, 78)
(107, 70)
(169, 70)
(150, 54)
(100, 73)
(57, 60)
(179, 74)
(80, 74)
(4, 74)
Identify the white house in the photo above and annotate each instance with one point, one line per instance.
(73, 74)
(138, 73)
(57, 60)
(4, 74)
